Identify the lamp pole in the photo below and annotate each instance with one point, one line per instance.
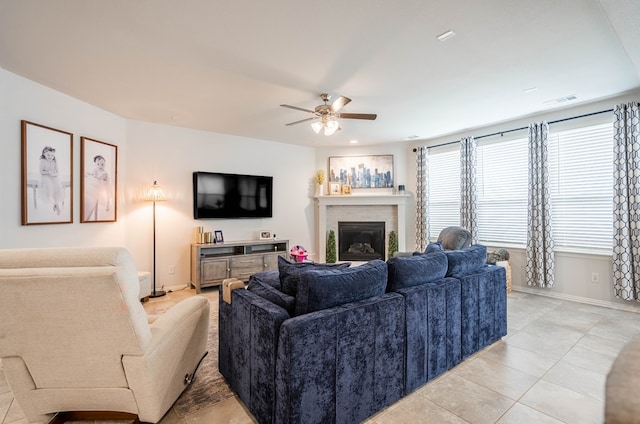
(155, 194)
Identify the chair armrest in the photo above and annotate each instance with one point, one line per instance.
(179, 341)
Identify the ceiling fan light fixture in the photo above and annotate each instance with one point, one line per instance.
(317, 126)
(331, 127)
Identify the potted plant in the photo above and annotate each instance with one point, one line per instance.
(331, 247)
(393, 244)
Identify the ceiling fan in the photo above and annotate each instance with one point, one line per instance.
(325, 115)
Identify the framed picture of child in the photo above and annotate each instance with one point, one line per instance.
(47, 175)
(99, 181)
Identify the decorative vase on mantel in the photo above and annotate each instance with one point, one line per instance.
(319, 190)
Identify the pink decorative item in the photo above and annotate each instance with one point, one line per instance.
(298, 254)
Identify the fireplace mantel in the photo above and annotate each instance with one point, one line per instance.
(398, 201)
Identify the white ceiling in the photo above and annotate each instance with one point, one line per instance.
(226, 66)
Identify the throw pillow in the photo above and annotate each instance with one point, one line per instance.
(325, 288)
(271, 294)
(434, 247)
(455, 238)
(465, 261)
(270, 277)
(416, 270)
(290, 273)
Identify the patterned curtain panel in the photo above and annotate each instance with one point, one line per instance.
(469, 187)
(422, 201)
(539, 252)
(626, 197)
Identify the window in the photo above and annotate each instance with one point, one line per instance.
(581, 172)
(444, 189)
(581, 168)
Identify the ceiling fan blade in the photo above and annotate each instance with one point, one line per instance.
(302, 120)
(370, 116)
(298, 108)
(339, 103)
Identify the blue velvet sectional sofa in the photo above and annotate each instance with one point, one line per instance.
(321, 343)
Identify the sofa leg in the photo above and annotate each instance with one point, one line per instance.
(63, 417)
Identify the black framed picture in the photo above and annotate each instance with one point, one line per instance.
(99, 182)
(47, 175)
(218, 236)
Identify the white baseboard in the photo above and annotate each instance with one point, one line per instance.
(579, 299)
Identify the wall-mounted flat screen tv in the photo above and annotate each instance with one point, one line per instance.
(218, 195)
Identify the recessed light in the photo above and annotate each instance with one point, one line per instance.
(411, 137)
(530, 90)
(353, 141)
(446, 35)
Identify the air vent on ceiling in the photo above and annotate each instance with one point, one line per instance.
(561, 100)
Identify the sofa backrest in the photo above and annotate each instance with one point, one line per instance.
(62, 306)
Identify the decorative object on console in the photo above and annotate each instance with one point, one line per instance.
(331, 247)
(401, 189)
(374, 171)
(47, 169)
(335, 188)
(346, 189)
(298, 253)
(155, 194)
(98, 181)
(218, 237)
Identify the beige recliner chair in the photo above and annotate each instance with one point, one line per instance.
(74, 336)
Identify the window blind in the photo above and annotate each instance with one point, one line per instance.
(444, 190)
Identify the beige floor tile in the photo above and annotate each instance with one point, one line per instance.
(550, 346)
(416, 410)
(564, 404)
(624, 327)
(467, 400)
(601, 344)
(522, 414)
(496, 376)
(590, 360)
(569, 376)
(520, 359)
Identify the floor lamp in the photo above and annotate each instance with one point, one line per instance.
(155, 194)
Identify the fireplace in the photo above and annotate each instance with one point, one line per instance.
(361, 241)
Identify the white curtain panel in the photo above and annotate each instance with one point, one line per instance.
(626, 201)
(539, 252)
(422, 201)
(469, 186)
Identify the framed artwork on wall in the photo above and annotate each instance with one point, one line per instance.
(99, 181)
(47, 175)
(373, 171)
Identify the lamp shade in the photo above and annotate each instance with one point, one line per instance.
(155, 194)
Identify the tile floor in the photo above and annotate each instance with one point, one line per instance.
(551, 368)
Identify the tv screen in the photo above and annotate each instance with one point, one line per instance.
(218, 195)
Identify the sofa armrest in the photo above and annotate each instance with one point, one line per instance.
(248, 340)
(178, 343)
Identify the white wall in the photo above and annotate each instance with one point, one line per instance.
(147, 152)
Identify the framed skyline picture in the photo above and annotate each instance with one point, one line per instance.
(47, 175)
(374, 171)
(99, 181)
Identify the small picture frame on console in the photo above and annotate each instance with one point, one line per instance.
(346, 189)
(335, 188)
(218, 238)
(265, 235)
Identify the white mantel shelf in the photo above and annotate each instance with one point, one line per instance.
(322, 202)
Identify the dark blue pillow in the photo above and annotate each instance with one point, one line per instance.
(467, 260)
(271, 294)
(325, 288)
(270, 277)
(434, 247)
(415, 270)
(290, 273)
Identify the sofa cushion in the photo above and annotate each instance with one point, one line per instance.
(325, 288)
(290, 273)
(273, 295)
(465, 261)
(415, 270)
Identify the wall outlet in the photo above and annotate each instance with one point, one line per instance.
(172, 269)
(595, 277)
